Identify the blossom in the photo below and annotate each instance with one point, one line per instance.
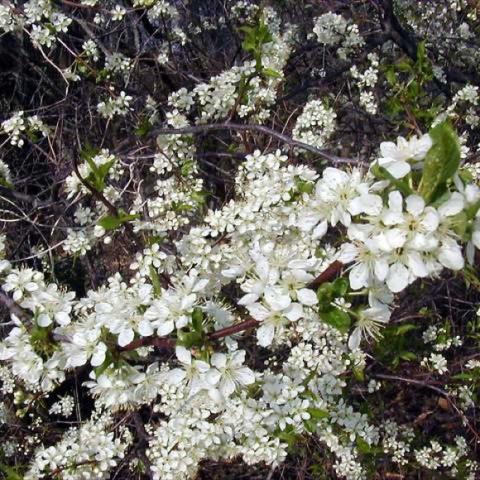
(416, 224)
(264, 274)
(229, 372)
(85, 346)
(173, 309)
(368, 324)
(370, 262)
(118, 13)
(193, 371)
(21, 282)
(50, 304)
(279, 310)
(395, 157)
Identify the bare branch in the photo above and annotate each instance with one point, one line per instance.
(166, 343)
(261, 129)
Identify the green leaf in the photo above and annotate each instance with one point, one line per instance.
(304, 186)
(10, 472)
(103, 170)
(390, 76)
(157, 287)
(111, 222)
(337, 318)
(363, 446)
(459, 223)
(88, 152)
(106, 363)
(404, 66)
(464, 376)
(197, 319)
(270, 73)
(340, 287)
(143, 128)
(472, 210)
(441, 162)
(407, 356)
(317, 413)
(366, 449)
(325, 295)
(255, 38)
(5, 183)
(187, 168)
(359, 372)
(465, 175)
(199, 197)
(421, 53)
(289, 435)
(92, 165)
(98, 173)
(190, 339)
(403, 329)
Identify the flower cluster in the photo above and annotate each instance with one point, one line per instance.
(316, 124)
(72, 457)
(333, 29)
(244, 298)
(17, 124)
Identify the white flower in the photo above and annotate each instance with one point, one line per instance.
(338, 191)
(172, 310)
(416, 225)
(118, 13)
(450, 254)
(264, 275)
(50, 304)
(395, 157)
(229, 372)
(84, 346)
(370, 261)
(193, 371)
(280, 311)
(21, 282)
(369, 322)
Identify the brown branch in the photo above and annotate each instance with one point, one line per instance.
(239, 327)
(22, 197)
(435, 389)
(166, 343)
(143, 442)
(97, 194)
(395, 31)
(256, 128)
(159, 342)
(327, 275)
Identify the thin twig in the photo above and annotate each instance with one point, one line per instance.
(12, 306)
(256, 128)
(435, 389)
(166, 343)
(97, 194)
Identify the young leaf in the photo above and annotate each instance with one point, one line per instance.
(441, 162)
(270, 73)
(337, 318)
(111, 222)
(317, 413)
(10, 472)
(197, 320)
(340, 287)
(157, 287)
